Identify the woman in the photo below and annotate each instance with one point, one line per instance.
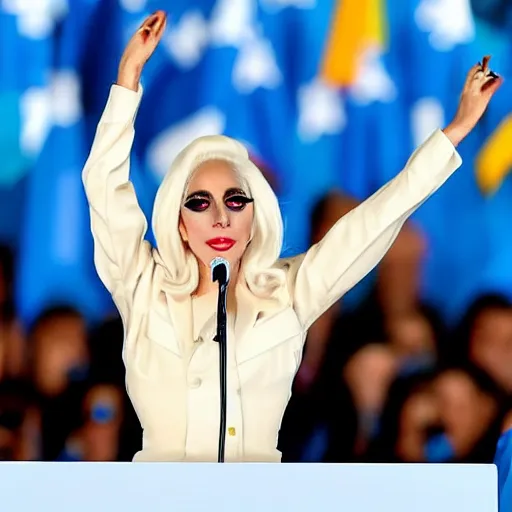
(213, 202)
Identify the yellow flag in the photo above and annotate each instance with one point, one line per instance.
(356, 26)
(494, 161)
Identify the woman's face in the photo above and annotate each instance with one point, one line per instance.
(216, 215)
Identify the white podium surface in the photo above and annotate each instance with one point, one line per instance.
(155, 487)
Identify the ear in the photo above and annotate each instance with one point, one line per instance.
(183, 230)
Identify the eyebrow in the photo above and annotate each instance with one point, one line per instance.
(199, 193)
(204, 193)
(234, 191)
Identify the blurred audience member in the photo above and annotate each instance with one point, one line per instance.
(485, 338)
(12, 342)
(455, 415)
(417, 338)
(60, 356)
(471, 411)
(60, 366)
(369, 374)
(20, 422)
(97, 438)
(408, 414)
(396, 291)
(106, 345)
(350, 347)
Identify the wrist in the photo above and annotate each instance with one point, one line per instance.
(456, 132)
(129, 77)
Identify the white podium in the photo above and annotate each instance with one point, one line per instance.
(155, 487)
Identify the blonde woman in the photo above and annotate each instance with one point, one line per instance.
(215, 202)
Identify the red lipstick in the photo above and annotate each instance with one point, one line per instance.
(221, 244)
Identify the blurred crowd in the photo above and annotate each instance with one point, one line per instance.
(382, 378)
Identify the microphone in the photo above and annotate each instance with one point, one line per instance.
(220, 274)
(220, 271)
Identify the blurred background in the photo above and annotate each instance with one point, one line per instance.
(331, 97)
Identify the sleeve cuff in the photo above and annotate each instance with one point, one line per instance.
(444, 145)
(122, 105)
(435, 160)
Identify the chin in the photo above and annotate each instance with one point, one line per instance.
(231, 258)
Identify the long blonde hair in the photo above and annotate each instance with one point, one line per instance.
(267, 232)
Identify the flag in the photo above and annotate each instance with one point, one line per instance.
(357, 26)
(25, 57)
(494, 161)
(26, 36)
(55, 251)
(362, 59)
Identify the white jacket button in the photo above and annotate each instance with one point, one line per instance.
(195, 383)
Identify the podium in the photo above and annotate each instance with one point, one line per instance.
(184, 487)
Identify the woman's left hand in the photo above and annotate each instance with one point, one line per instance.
(480, 86)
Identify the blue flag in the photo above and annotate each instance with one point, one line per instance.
(55, 253)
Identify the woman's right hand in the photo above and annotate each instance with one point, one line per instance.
(139, 49)
(481, 84)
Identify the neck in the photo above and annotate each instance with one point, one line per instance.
(206, 285)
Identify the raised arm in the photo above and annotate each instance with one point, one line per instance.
(118, 224)
(359, 240)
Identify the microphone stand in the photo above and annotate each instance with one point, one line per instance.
(220, 274)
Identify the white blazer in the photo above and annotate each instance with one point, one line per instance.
(172, 379)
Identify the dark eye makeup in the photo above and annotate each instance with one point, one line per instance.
(234, 199)
(237, 202)
(197, 204)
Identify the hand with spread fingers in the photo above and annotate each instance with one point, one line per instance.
(480, 86)
(139, 49)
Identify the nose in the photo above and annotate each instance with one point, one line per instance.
(221, 217)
